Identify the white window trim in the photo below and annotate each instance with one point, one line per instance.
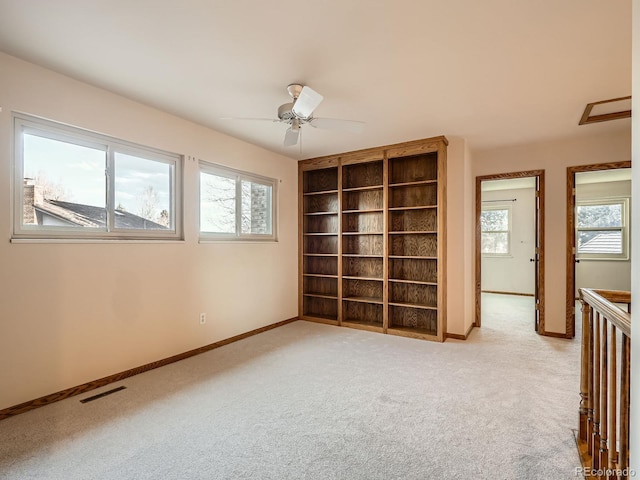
(624, 201)
(507, 207)
(24, 123)
(239, 176)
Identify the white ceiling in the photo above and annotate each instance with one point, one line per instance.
(496, 72)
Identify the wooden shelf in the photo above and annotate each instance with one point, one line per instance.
(357, 255)
(332, 318)
(406, 184)
(414, 232)
(362, 189)
(324, 192)
(413, 332)
(413, 257)
(421, 207)
(362, 233)
(363, 299)
(319, 275)
(413, 305)
(372, 210)
(317, 295)
(321, 213)
(320, 234)
(366, 324)
(396, 280)
(320, 254)
(362, 278)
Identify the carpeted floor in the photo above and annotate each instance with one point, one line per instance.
(320, 402)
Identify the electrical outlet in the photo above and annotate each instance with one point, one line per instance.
(203, 318)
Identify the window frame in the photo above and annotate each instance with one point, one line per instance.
(239, 176)
(29, 124)
(624, 229)
(507, 207)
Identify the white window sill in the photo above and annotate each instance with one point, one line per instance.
(94, 240)
(240, 240)
(603, 259)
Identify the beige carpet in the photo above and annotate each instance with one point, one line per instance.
(319, 402)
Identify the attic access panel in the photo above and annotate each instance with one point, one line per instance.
(605, 110)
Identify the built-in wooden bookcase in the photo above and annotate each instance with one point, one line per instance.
(372, 239)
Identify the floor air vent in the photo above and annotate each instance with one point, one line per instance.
(100, 395)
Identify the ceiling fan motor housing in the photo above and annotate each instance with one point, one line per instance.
(285, 112)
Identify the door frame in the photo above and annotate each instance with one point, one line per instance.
(571, 237)
(539, 175)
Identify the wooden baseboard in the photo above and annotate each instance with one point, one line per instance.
(457, 336)
(555, 335)
(86, 387)
(509, 293)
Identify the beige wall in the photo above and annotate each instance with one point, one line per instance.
(554, 157)
(460, 254)
(470, 245)
(72, 313)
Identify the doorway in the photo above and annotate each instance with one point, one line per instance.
(601, 188)
(494, 239)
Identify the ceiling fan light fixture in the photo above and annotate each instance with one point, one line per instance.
(307, 101)
(291, 137)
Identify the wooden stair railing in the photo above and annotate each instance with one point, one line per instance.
(603, 434)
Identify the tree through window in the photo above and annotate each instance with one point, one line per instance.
(495, 224)
(236, 205)
(72, 183)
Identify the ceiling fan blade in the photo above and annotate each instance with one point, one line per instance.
(307, 102)
(291, 137)
(274, 120)
(353, 126)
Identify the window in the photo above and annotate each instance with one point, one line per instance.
(495, 223)
(601, 229)
(236, 205)
(72, 183)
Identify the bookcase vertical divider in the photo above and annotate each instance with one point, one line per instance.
(442, 242)
(339, 242)
(385, 259)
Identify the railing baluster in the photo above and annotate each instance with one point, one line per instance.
(584, 373)
(613, 400)
(624, 404)
(590, 385)
(603, 454)
(595, 442)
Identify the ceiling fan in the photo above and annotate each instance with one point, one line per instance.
(299, 112)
